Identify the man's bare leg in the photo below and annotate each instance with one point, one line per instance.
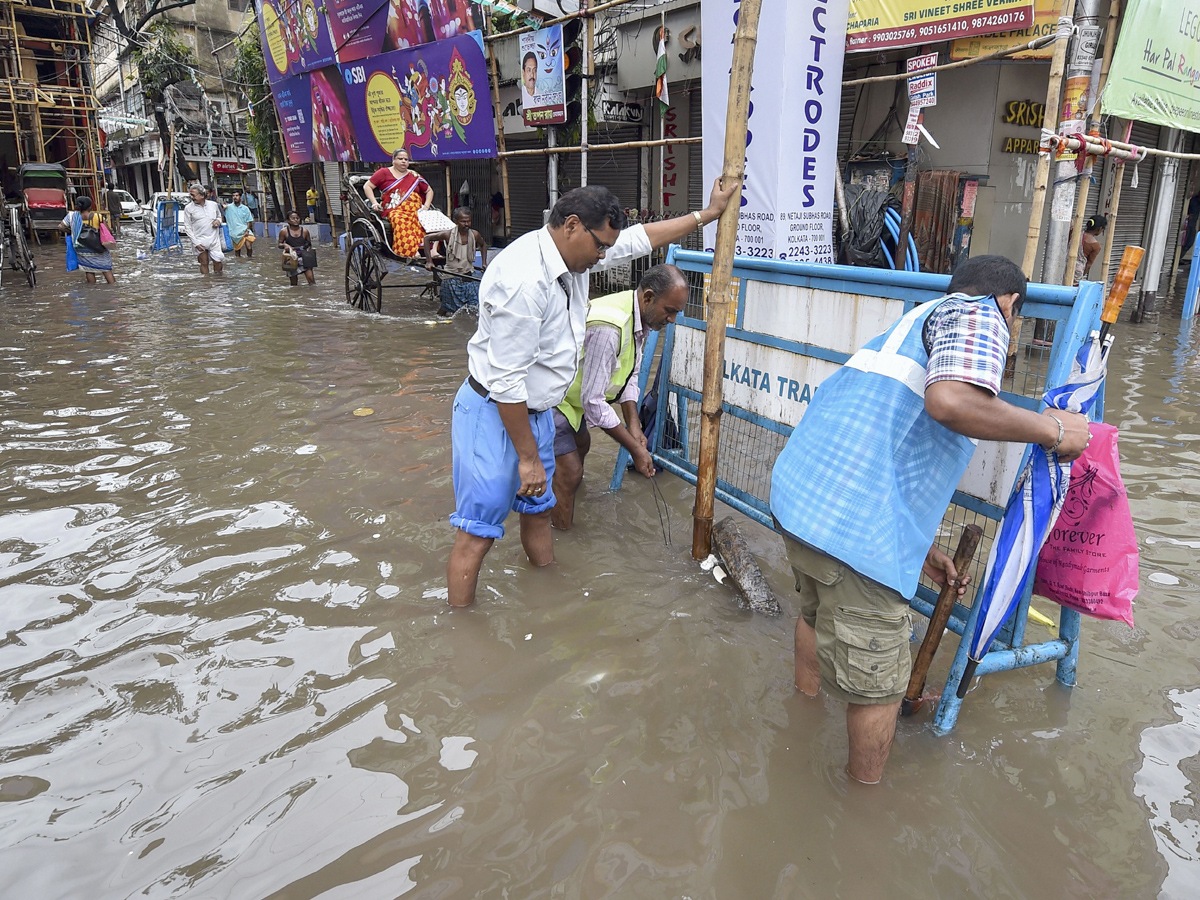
(871, 729)
(808, 670)
(249, 251)
(536, 538)
(202, 258)
(108, 277)
(218, 267)
(462, 569)
(568, 475)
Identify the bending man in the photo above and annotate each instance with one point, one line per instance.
(524, 355)
(860, 489)
(612, 356)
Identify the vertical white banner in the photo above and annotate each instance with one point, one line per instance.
(791, 152)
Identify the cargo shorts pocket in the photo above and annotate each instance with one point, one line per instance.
(871, 657)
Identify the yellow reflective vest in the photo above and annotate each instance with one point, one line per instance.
(615, 310)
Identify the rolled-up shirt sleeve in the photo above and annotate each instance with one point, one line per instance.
(632, 243)
(513, 341)
(600, 346)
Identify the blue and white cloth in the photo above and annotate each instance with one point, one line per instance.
(88, 261)
(867, 474)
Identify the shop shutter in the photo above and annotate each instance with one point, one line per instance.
(302, 179)
(333, 187)
(478, 174)
(846, 125)
(617, 170)
(1130, 224)
(528, 194)
(697, 195)
(1182, 192)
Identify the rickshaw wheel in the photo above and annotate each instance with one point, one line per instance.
(22, 258)
(364, 277)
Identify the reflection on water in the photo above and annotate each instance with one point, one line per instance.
(227, 668)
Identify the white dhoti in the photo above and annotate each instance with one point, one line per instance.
(199, 219)
(213, 242)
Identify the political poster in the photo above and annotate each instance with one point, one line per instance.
(1045, 23)
(1155, 72)
(333, 138)
(879, 24)
(543, 83)
(295, 37)
(432, 100)
(293, 102)
(791, 141)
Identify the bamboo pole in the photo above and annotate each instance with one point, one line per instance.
(721, 283)
(1113, 205)
(1041, 181)
(1081, 197)
(623, 145)
(975, 60)
(495, 80)
(1191, 189)
(585, 91)
(449, 190)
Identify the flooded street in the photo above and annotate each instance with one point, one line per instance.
(228, 670)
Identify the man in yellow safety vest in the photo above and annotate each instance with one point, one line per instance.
(612, 355)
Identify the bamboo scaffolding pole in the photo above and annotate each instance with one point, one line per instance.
(999, 54)
(499, 112)
(624, 145)
(582, 13)
(721, 282)
(1041, 181)
(1085, 184)
(1113, 205)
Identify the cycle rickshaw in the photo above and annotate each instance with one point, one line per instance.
(14, 248)
(370, 251)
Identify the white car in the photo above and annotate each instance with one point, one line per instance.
(150, 210)
(129, 206)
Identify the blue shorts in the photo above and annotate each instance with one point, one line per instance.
(485, 465)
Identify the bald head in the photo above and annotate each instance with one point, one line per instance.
(662, 294)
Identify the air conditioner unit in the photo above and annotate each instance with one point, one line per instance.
(551, 8)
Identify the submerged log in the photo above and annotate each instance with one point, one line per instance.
(752, 589)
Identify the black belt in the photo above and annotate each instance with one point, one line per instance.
(483, 392)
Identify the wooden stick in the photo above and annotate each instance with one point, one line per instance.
(1042, 179)
(721, 283)
(623, 145)
(1113, 205)
(999, 54)
(946, 599)
(495, 82)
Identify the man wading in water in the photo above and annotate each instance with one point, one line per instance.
(533, 304)
(864, 480)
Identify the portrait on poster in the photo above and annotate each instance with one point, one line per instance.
(543, 82)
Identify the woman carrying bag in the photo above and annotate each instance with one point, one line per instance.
(90, 240)
(298, 253)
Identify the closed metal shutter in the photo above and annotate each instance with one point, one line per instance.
(850, 95)
(333, 187)
(617, 170)
(527, 190)
(1183, 190)
(1130, 225)
(435, 174)
(697, 195)
(478, 174)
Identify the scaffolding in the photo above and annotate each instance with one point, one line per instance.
(47, 104)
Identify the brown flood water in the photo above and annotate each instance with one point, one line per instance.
(227, 670)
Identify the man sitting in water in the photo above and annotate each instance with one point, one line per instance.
(240, 220)
(861, 486)
(612, 355)
(461, 243)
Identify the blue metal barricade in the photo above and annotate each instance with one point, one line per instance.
(794, 324)
(166, 226)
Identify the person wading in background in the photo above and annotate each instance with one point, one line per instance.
(532, 318)
(860, 489)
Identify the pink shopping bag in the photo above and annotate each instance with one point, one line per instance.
(1090, 561)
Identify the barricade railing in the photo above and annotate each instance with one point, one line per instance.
(793, 325)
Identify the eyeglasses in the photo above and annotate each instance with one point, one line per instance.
(601, 247)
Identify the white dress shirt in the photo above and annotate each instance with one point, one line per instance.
(533, 316)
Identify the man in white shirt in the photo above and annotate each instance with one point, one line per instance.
(203, 220)
(532, 318)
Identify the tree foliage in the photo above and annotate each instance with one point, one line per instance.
(162, 60)
(250, 71)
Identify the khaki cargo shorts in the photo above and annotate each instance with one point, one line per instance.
(863, 628)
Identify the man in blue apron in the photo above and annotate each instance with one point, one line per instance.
(864, 480)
